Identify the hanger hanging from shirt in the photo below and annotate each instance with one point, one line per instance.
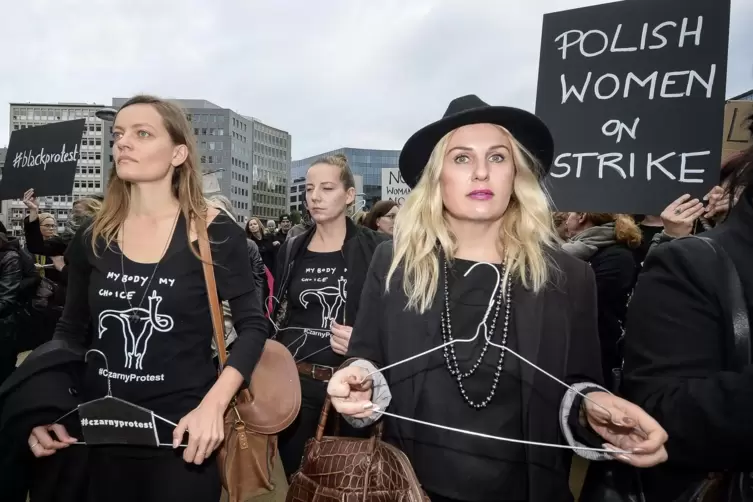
(483, 326)
(291, 328)
(109, 420)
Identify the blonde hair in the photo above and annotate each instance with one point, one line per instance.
(186, 183)
(420, 227)
(625, 229)
(346, 175)
(90, 205)
(44, 216)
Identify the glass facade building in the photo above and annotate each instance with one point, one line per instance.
(363, 162)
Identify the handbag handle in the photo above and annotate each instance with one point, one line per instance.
(740, 319)
(218, 324)
(376, 434)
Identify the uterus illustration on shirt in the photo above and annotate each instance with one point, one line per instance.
(137, 324)
(329, 300)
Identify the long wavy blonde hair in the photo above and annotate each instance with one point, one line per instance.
(186, 183)
(421, 227)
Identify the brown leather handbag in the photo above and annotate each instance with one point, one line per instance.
(269, 405)
(339, 469)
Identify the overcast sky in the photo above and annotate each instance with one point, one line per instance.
(331, 72)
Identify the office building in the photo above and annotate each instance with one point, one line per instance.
(249, 159)
(3, 152)
(367, 164)
(89, 174)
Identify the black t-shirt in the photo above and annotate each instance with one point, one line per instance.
(455, 465)
(316, 295)
(158, 346)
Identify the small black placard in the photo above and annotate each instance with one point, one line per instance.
(114, 421)
(43, 158)
(633, 93)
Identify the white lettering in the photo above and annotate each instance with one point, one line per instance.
(697, 33)
(572, 90)
(668, 80)
(651, 78)
(684, 170)
(604, 161)
(597, 86)
(657, 163)
(614, 47)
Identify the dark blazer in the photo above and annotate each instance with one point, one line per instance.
(358, 249)
(677, 355)
(41, 390)
(557, 331)
(615, 270)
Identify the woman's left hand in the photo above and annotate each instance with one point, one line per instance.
(340, 338)
(629, 428)
(205, 427)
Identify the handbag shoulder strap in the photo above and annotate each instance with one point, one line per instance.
(740, 318)
(218, 325)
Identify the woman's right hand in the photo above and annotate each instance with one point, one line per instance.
(350, 390)
(42, 444)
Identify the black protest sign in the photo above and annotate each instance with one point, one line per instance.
(114, 421)
(43, 158)
(633, 93)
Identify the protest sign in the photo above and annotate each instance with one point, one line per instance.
(393, 186)
(633, 93)
(43, 158)
(736, 133)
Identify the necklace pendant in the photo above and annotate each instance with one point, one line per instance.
(134, 318)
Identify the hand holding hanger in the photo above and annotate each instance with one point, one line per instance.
(626, 426)
(350, 390)
(42, 444)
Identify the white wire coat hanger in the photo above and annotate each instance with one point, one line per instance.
(110, 396)
(487, 336)
(290, 328)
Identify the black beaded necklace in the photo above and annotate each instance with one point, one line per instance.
(449, 352)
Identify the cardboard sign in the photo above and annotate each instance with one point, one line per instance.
(633, 93)
(736, 133)
(393, 186)
(43, 158)
(110, 421)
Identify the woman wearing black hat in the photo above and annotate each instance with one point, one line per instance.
(477, 203)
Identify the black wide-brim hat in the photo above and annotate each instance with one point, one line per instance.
(526, 128)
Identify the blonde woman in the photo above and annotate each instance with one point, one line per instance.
(477, 200)
(136, 281)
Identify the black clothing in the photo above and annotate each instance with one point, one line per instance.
(257, 268)
(162, 477)
(557, 330)
(162, 360)
(648, 233)
(54, 246)
(267, 249)
(30, 277)
(351, 268)
(358, 248)
(615, 270)
(496, 469)
(38, 393)
(678, 328)
(10, 293)
(316, 296)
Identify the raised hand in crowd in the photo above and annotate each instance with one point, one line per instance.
(680, 216)
(718, 203)
(30, 201)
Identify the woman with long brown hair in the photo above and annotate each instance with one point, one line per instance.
(608, 243)
(136, 275)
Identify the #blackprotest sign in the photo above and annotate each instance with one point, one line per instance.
(633, 93)
(393, 186)
(43, 158)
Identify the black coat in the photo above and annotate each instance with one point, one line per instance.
(257, 268)
(615, 270)
(677, 354)
(40, 391)
(358, 249)
(556, 328)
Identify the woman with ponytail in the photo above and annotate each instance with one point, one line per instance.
(607, 242)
